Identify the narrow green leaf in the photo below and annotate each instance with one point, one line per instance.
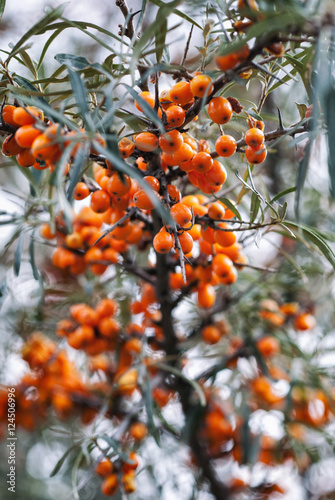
(329, 109)
(254, 207)
(283, 193)
(80, 94)
(2, 7)
(47, 45)
(147, 110)
(150, 408)
(60, 462)
(315, 238)
(23, 82)
(42, 23)
(18, 254)
(160, 40)
(32, 261)
(301, 176)
(28, 63)
(178, 12)
(231, 207)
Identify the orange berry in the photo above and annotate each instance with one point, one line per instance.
(202, 162)
(225, 146)
(100, 201)
(110, 485)
(304, 321)
(222, 265)
(149, 99)
(171, 141)
(46, 232)
(224, 238)
(289, 308)
(74, 241)
(143, 201)
(126, 147)
(132, 464)
(230, 278)
(186, 242)
(163, 242)
(174, 193)
(44, 147)
(181, 93)
(104, 468)
(268, 346)
(181, 214)
(201, 85)
(81, 191)
(25, 158)
(26, 135)
(230, 61)
(153, 182)
(118, 185)
(206, 296)
(217, 175)
(10, 147)
(256, 155)
(254, 137)
(109, 327)
(216, 210)
(220, 110)
(106, 307)
(211, 334)
(175, 116)
(183, 156)
(138, 431)
(146, 141)
(142, 165)
(84, 314)
(8, 115)
(27, 116)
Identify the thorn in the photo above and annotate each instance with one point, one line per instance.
(281, 126)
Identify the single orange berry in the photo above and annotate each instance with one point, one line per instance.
(183, 156)
(26, 135)
(27, 116)
(181, 214)
(142, 199)
(186, 242)
(225, 146)
(220, 110)
(217, 175)
(174, 193)
(153, 182)
(206, 296)
(149, 99)
(25, 158)
(216, 210)
(110, 485)
(163, 242)
(126, 147)
(100, 201)
(118, 185)
(268, 346)
(211, 334)
(254, 137)
(256, 155)
(10, 147)
(304, 321)
(8, 115)
(202, 162)
(201, 85)
(81, 191)
(171, 142)
(224, 238)
(146, 141)
(175, 116)
(222, 265)
(181, 93)
(230, 61)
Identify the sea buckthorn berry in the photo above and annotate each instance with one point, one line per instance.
(222, 265)
(276, 49)
(201, 85)
(109, 327)
(143, 200)
(304, 321)
(142, 165)
(10, 147)
(217, 175)
(183, 156)
(110, 485)
(84, 314)
(181, 93)
(138, 431)
(225, 146)
(100, 201)
(186, 242)
(118, 185)
(230, 278)
(208, 234)
(149, 99)
(174, 193)
(175, 116)
(202, 162)
(153, 182)
(129, 483)
(205, 187)
(171, 141)
(25, 158)
(220, 110)
(104, 468)
(146, 141)
(211, 334)
(256, 155)
(224, 238)
(81, 191)
(230, 61)
(27, 116)
(126, 147)
(254, 137)
(193, 177)
(106, 307)
(44, 146)
(216, 210)
(289, 308)
(8, 115)
(206, 296)
(268, 346)
(165, 99)
(181, 214)
(26, 135)
(74, 240)
(46, 232)
(163, 242)
(132, 464)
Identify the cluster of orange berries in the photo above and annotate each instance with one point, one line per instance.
(120, 472)
(277, 314)
(56, 382)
